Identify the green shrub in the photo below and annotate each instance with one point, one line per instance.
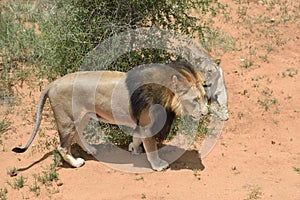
(17, 45)
(75, 27)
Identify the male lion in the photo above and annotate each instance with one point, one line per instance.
(142, 99)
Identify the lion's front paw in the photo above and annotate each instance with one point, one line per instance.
(159, 165)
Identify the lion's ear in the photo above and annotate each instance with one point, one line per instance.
(218, 62)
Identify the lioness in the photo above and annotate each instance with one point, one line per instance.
(142, 99)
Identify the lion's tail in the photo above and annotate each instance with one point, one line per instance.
(41, 103)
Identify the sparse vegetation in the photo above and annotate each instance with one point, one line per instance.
(140, 178)
(17, 44)
(35, 188)
(267, 92)
(47, 177)
(246, 63)
(97, 132)
(4, 125)
(220, 42)
(240, 115)
(277, 111)
(256, 85)
(17, 182)
(268, 100)
(50, 173)
(3, 192)
(186, 125)
(266, 103)
(46, 142)
(12, 171)
(296, 169)
(242, 11)
(290, 72)
(255, 192)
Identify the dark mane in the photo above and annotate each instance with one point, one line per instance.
(184, 66)
(190, 72)
(145, 92)
(149, 94)
(147, 86)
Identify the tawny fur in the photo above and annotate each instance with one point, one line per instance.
(123, 99)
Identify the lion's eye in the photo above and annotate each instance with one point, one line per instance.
(196, 100)
(206, 85)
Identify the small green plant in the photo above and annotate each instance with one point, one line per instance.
(267, 92)
(50, 174)
(242, 11)
(17, 182)
(283, 74)
(255, 193)
(264, 58)
(277, 111)
(240, 115)
(47, 177)
(57, 160)
(3, 192)
(256, 85)
(247, 63)
(296, 169)
(35, 188)
(140, 178)
(291, 72)
(266, 103)
(4, 125)
(12, 171)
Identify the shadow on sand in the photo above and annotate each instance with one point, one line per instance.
(122, 160)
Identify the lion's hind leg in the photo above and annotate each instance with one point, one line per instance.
(74, 162)
(66, 135)
(79, 138)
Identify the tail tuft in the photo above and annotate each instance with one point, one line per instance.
(19, 150)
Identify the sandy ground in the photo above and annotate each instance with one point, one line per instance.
(256, 157)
